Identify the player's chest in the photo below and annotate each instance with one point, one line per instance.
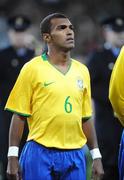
(54, 82)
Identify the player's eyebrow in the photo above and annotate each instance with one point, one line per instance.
(63, 26)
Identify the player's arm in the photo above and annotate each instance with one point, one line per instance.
(116, 88)
(15, 135)
(89, 131)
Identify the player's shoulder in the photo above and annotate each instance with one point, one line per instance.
(80, 65)
(122, 49)
(33, 62)
(120, 58)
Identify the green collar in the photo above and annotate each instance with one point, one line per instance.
(44, 57)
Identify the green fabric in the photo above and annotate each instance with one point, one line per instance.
(21, 114)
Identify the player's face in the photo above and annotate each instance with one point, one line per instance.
(62, 33)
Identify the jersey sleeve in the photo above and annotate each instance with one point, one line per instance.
(87, 104)
(19, 100)
(116, 88)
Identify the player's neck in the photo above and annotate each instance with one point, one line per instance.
(59, 58)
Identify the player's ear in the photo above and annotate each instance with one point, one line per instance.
(46, 37)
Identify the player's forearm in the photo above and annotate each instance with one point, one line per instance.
(15, 134)
(89, 131)
(16, 130)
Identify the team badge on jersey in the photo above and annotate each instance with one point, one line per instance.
(80, 83)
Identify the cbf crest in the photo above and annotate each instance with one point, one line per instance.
(80, 83)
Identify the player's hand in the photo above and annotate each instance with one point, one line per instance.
(97, 169)
(13, 169)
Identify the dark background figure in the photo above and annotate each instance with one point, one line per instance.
(100, 65)
(12, 59)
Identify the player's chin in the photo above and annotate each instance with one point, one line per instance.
(70, 46)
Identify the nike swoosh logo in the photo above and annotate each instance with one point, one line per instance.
(47, 84)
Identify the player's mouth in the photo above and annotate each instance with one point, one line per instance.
(70, 40)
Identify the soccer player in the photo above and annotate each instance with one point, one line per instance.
(52, 93)
(116, 96)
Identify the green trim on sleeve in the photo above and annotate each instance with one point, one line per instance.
(25, 115)
(84, 119)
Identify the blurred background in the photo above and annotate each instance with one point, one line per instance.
(84, 14)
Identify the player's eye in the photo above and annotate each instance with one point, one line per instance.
(72, 27)
(62, 27)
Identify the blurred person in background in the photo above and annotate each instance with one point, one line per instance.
(12, 58)
(4, 39)
(100, 65)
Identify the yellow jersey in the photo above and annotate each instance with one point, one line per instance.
(116, 88)
(54, 103)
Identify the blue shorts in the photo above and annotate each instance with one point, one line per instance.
(121, 158)
(41, 163)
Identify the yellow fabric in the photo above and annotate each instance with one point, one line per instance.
(54, 102)
(116, 89)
